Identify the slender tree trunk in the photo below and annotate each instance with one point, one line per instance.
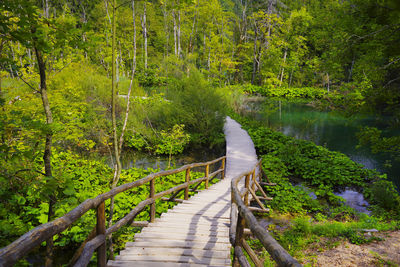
(291, 76)
(209, 55)
(117, 166)
(255, 52)
(108, 14)
(175, 34)
(179, 34)
(243, 34)
(191, 38)
(351, 70)
(47, 148)
(46, 8)
(121, 138)
(165, 14)
(327, 77)
(283, 67)
(144, 26)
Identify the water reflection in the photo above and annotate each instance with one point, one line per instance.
(328, 129)
(136, 159)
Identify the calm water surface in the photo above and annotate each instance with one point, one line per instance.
(328, 129)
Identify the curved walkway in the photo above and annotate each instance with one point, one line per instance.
(195, 232)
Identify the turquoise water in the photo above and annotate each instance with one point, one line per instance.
(328, 129)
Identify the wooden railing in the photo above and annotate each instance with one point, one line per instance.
(242, 216)
(97, 241)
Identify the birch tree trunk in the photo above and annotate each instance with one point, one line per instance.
(179, 34)
(192, 34)
(165, 15)
(175, 30)
(144, 26)
(121, 138)
(283, 67)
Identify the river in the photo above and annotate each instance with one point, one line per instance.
(328, 129)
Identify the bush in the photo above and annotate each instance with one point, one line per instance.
(194, 103)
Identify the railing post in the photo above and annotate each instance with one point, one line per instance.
(101, 230)
(239, 236)
(223, 168)
(206, 175)
(187, 179)
(247, 184)
(253, 186)
(152, 205)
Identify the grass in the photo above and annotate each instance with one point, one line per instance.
(317, 233)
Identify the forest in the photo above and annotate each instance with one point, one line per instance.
(83, 82)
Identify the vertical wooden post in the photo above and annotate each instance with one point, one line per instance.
(253, 186)
(239, 236)
(223, 168)
(206, 174)
(152, 205)
(101, 230)
(187, 183)
(247, 184)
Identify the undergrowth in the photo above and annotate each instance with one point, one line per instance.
(306, 214)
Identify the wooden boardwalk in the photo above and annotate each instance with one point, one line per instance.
(195, 232)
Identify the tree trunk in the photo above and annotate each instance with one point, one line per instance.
(327, 78)
(351, 70)
(255, 55)
(283, 67)
(121, 138)
(117, 166)
(165, 14)
(144, 26)
(47, 148)
(192, 34)
(175, 34)
(179, 34)
(46, 8)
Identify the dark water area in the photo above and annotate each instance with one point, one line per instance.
(329, 129)
(137, 159)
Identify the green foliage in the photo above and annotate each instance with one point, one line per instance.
(134, 140)
(288, 160)
(173, 141)
(287, 92)
(384, 195)
(194, 103)
(76, 179)
(372, 137)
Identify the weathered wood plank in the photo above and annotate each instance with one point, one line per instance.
(172, 226)
(180, 244)
(176, 251)
(158, 236)
(174, 231)
(157, 264)
(195, 222)
(200, 213)
(183, 259)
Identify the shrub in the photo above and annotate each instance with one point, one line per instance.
(194, 103)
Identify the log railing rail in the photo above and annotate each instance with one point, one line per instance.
(242, 216)
(19, 248)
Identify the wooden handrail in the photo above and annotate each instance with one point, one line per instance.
(10, 254)
(242, 216)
